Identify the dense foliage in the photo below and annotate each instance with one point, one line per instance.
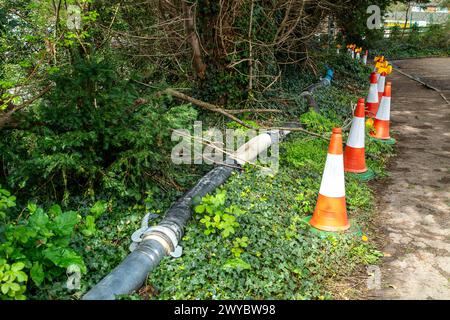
(86, 129)
(272, 253)
(37, 242)
(91, 132)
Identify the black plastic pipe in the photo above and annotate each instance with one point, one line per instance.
(307, 93)
(132, 272)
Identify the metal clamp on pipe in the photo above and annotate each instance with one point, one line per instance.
(164, 235)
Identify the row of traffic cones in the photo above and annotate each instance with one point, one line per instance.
(355, 52)
(379, 99)
(330, 213)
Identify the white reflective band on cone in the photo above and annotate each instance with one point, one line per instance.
(381, 83)
(384, 109)
(373, 93)
(333, 182)
(357, 133)
(378, 76)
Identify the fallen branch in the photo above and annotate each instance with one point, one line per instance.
(212, 107)
(227, 113)
(297, 129)
(205, 105)
(254, 111)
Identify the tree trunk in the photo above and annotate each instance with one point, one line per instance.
(406, 19)
(189, 27)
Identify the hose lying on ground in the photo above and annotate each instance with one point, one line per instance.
(157, 242)
(161, 240)
(307, 93)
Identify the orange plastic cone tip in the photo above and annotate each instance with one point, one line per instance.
(372, 101)
(335, 146)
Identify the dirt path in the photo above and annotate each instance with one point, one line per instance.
(414, 203)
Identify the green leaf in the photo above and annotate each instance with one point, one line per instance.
(89, 229)
(5, 288)
(14, 286)
(21, 276)
(205, 219)
(63, 257)
(37, 273)
(4, 192)
(237, 263)
(65, 223)
(200, 208)
(17, 266)
(99, 208)
(38, 220)
(32, 207)
(55, 210)
(23, 233)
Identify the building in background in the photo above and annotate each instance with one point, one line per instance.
(422, 15)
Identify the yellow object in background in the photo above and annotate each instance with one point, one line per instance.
(379, 59)
(384, 67)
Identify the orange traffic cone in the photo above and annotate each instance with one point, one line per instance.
(372, 97)
(354, 154)
(331, 212)
(380, 84)
(381, 123)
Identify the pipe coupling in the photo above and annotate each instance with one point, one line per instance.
(164, 235)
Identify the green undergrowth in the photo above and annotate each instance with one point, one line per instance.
(280, 258)
(42, 241)
(270, 252)
(247, 240)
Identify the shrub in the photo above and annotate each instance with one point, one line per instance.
(92, 132)
(36, 245)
